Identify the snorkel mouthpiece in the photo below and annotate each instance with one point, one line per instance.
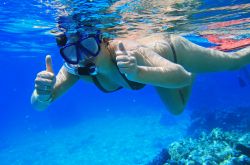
(89, 69)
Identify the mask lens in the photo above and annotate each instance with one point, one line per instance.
(91, 45)
(69, 53)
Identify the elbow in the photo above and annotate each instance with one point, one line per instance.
(187, 79)
(183, 78)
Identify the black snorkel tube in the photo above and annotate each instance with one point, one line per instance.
(89, 69)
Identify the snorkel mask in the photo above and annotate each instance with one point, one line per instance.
(78, 54)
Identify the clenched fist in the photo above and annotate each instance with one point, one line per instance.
(126, 63)
(45, 80)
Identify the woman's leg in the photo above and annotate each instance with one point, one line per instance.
(198, 59)
(175, 100)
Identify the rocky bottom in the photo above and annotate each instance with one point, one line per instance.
(216, 147)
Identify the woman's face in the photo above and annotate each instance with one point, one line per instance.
(80, 49)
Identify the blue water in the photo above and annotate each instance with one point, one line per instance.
(86, 126)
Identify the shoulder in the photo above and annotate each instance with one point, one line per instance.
(148, 40)
(129, 44)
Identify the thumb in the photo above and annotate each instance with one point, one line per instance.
(121, 48)
(48, 62)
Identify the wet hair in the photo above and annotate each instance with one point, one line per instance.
(61, 39)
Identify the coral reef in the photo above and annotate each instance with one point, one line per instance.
(217, 147)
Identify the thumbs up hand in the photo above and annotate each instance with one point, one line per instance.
(126, 62)
(45, 80)
(48, 62)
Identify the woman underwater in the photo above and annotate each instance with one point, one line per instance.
(167, 62)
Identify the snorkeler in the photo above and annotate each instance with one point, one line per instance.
(167, 62)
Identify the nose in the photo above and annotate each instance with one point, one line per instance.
(85, 61)
(73, 38)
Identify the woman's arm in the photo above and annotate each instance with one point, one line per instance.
(146, 66)
(198, 59)
(64, 81)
